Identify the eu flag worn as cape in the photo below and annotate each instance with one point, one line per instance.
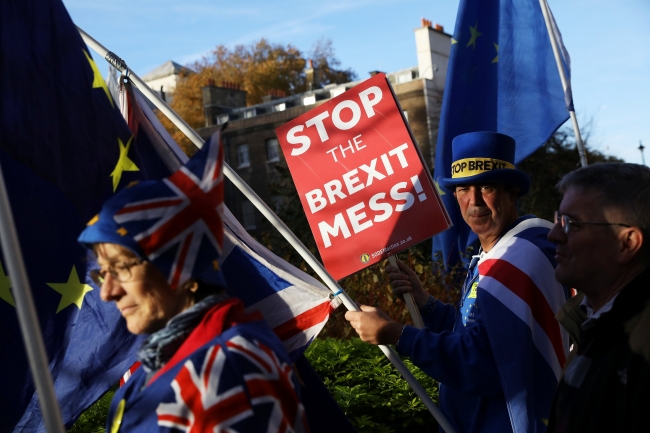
(502, 77)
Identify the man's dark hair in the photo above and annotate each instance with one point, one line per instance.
(623, 186)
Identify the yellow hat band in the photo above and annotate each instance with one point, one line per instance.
(473, 166)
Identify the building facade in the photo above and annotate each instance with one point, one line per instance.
(251, 146)
(164, 78)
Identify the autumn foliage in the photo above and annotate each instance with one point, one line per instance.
(259, 68)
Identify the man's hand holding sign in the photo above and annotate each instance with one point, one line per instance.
(362, 182)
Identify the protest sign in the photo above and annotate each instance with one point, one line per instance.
(361, 178)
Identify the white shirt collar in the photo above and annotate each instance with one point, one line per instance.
(595, 315)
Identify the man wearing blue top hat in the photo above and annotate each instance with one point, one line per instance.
(498, 354)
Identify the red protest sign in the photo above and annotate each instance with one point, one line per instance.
(361, 178)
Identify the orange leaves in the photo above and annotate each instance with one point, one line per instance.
(259, 68)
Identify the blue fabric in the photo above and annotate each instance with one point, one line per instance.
(514, 89)
(181, 229)
(475, 349)
(518, 332)
(460, 358)
(237, 375)
(60, 135)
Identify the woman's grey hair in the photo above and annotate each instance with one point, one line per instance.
(623, 186)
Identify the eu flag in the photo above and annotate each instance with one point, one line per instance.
(64, 149)
(502, 77)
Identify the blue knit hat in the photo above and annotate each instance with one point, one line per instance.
(175, 223)
(484, 157)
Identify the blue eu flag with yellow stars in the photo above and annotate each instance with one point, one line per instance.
(64, 149)
(502, 77)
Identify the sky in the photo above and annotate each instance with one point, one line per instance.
(608, 41)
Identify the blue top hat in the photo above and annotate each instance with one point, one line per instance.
(482, 157)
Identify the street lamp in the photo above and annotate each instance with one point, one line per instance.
(641, 147)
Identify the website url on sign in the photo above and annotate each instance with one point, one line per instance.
(390, 247)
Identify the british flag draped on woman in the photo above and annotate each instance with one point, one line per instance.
(206, 365)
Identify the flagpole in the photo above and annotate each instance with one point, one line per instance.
(265, 210)
(27, 316)
(546, 11)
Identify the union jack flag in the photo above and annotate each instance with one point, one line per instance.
(129, 372)
(206, 400)
(519, 298)
(294, 304)
(187, 229)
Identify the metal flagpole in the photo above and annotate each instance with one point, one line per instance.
(27, 317)
(263, 208)
(641, 147)
(546, 11)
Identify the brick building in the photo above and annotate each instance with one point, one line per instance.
(251, 146)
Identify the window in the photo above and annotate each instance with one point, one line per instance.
(309, 100)
(249, 114)
(404, 77)
(248, 215)
(336, 92)
(277, 201)
(280, 107)
(272, 150)
(243, 160)
(222, 118)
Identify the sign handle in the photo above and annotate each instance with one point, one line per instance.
(410, 302)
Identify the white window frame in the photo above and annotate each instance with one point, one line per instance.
(273, 151)
(337, 91)
(243, 156)
(404, 77)
(309, 100)
(248, 215)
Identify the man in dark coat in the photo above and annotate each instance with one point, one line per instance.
(602, 231)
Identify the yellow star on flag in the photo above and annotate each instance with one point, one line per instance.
(496, 59)
(98, 81)
(440, 191)
(453, 41)
(72, 292)
(5, 285)
(123, 163)
(475, 34)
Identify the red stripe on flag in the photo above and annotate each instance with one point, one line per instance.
(129, 372)
(146, 206)
(303, 321)
(519, 283)
(180, 261)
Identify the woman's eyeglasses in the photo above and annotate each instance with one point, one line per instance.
(567, 222)
(119, 272)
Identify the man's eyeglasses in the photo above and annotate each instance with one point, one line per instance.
(566, 222)
(119, 272)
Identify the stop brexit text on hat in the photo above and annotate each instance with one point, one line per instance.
(361, 178)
